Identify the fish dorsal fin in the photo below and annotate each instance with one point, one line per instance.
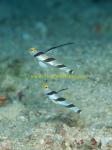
(62, 90)
(54, 47)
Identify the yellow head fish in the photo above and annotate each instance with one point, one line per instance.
(33, 51)
(45, 85)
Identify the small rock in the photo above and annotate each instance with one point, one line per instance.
(42, 28)
(2, 100)
(42, 141)
(106, 141)
(6, 145)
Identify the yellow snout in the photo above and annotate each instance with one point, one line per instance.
(33, 49)
(45, 85)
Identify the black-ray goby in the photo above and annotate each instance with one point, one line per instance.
(54, 97)
(43, 59)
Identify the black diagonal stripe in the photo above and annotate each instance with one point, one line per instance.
(79, 111)
(52, 92)
(38, 54)
(60, 66)
(70, 106)
(60, 99)
(71, 71)
(49, 59)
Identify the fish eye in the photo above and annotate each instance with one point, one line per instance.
(46, 86)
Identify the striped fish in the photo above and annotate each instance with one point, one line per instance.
(53, 96)
(42, 57)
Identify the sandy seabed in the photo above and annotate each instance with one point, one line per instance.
(28, 120)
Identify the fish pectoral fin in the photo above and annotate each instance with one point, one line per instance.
(54, 101)
(42, 64)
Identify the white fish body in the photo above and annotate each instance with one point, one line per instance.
(41, 56)
(54, 97)
(42, 64)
